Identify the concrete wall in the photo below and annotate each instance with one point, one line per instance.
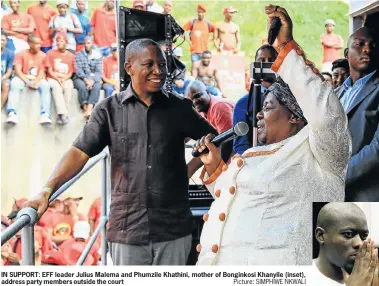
(30, 151)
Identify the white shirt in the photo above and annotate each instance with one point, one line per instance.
(320, 279)
(269, 216)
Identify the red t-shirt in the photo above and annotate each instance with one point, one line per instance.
(220, 114)
(30, 63)
(61, 63)
(331, 54)
(110, 68)
(45, 217)
(71, 256)
(94, 212)
(40, 235)
(42, 16)
(20, 20)
(104, 27)
(62, 224)
(199, 35)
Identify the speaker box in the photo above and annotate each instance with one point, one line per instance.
(136, 24)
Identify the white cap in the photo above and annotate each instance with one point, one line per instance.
(178, 52)
(329, 21)
(59, 2)
(81, 229)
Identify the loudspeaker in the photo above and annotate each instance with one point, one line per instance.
(136, 24)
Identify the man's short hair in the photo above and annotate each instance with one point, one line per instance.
(266, 47)
(136, 46)
(206, 52)
(31, 38)
(341, 63)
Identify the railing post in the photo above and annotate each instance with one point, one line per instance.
(27, 245)
(27, 236)
(104, 205)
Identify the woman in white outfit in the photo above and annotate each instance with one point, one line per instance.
(262, 213)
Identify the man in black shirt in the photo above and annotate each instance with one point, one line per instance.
(145, 128)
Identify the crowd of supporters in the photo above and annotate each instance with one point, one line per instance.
(60, 236)
(54, 49)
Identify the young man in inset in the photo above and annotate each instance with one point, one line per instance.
(346, 257)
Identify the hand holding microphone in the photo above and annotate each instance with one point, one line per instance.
(207, 149)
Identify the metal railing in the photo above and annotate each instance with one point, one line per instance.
(27, 217)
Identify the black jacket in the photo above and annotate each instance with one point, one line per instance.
(362, 179)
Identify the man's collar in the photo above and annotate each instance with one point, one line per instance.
(363, 80)
(130, 93)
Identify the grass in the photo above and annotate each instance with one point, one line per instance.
(308, 18)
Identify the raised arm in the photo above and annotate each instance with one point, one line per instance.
(329, 137)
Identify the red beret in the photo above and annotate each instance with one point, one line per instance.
(201, 7)
(62, 36)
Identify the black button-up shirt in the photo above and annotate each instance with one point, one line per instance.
(148, 168)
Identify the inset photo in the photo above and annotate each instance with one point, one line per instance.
(345, 236)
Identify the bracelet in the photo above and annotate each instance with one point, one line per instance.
(47, 190)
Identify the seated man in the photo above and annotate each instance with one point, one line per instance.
(207, 74)
(340, 72)
(342, 234)
(217, 111)
(265, 54)
(60, 67)
(180, 83)
(111, 73)
(89, 69)
(17, 26)
(7, 57)
(29, 69)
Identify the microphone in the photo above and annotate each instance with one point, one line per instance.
(240, 129)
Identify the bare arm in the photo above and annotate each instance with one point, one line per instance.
(238, 39)
(92, 226)
(217, 79)
(9, 32)
(7, 74)
(20, 74)
(216, 38)
(25, 31)
(76, 30)
(193, 166)
(195, 71)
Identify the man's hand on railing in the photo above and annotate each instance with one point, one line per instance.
(40, 203)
